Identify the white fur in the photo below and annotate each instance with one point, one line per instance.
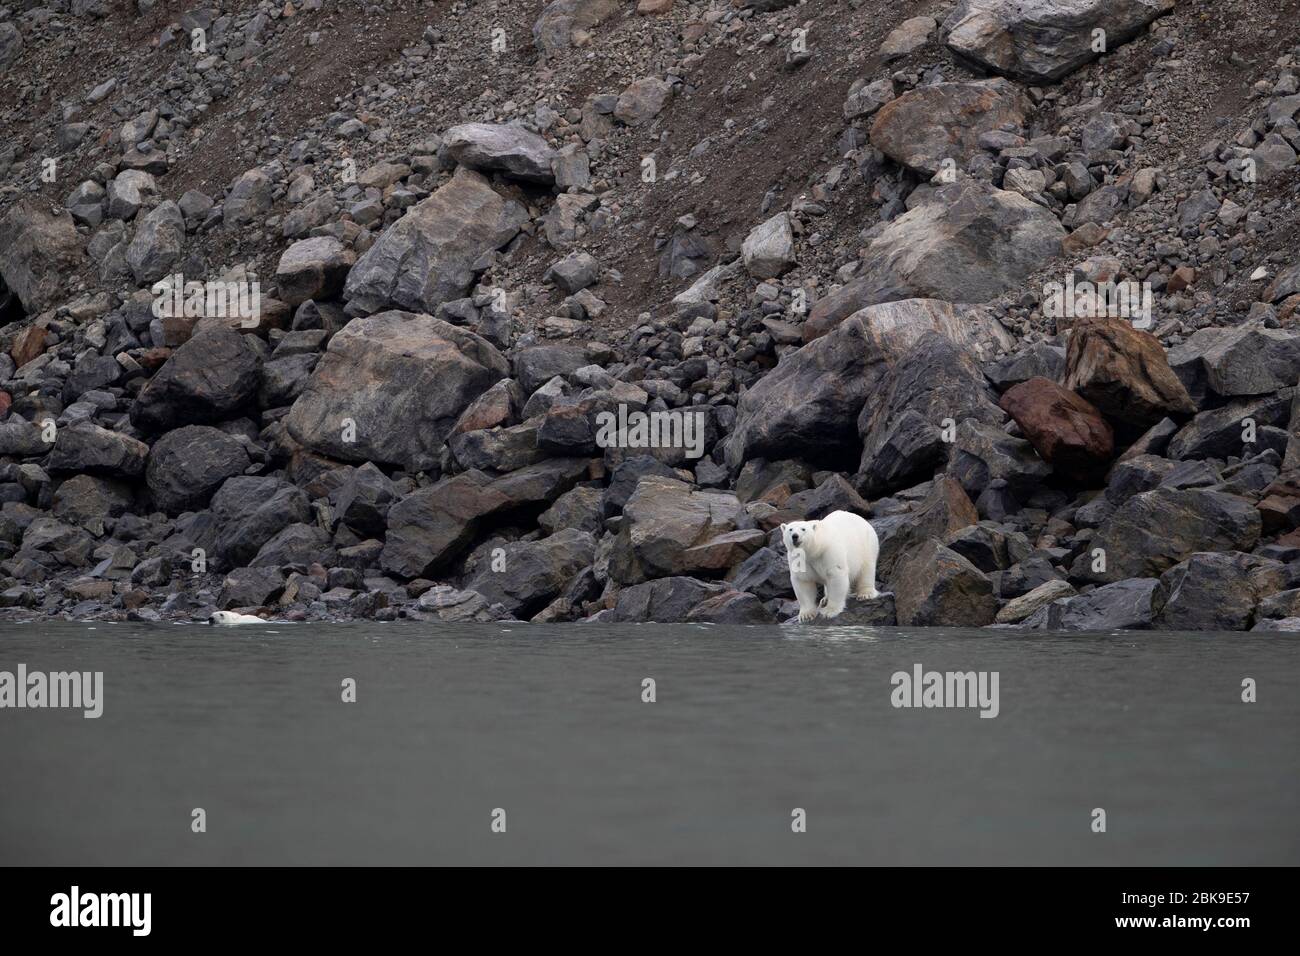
(839, 553)
(232, 618)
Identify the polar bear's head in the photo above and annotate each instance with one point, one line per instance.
(797, 534)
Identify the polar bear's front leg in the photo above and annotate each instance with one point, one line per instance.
(837, 590)
(806, 591)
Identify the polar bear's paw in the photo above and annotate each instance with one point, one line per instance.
(869, 595)
(806, 616)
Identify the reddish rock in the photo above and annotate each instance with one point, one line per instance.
(1123, 371)
(6, 401)
(1182, 278)
(1279, 509)
(1068, 432)
(29, 344)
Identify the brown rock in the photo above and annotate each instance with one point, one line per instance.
(29, 344)
(1124, 372)
(1067, 432)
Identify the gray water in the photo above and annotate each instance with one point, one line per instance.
(548, 724)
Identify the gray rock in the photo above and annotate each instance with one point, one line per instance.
(1210, 592)
(662, 520)
(427, 257)
(313, 269)
(157, 246)
(1042, 41)
(250, 587)
(935, 586)
(524, 576)
(39, 249)
(187, 465)
(768, 250)
(250, 511)
(390, 387)
(513, 151)
(1152, 531)
(88, 448)
(207, 379)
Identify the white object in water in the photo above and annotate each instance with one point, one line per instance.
(230, 617)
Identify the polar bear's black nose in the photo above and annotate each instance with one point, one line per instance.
(794, 538)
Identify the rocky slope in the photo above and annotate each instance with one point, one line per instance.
(556, 310)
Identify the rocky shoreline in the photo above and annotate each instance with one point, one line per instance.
(450, 402)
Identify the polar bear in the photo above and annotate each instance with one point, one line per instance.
(839, 553)
(231, 618)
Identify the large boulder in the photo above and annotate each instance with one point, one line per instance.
(250, 511)
(431, 526)
(944, 121)
(88, 448)
(156, 248)
(1124, 372)
(1238, 361)
(1124, 605)
(662, 521)
(1067, 431)
(524, 576)
(935, 586)
(390, 387)
(187, 465)
(427, 257)
(968, 242)
(1152, 531)
(39, 249)
(208, 379)
(515, 152)
(1042, 41)
(563, 21)
(313, 268)
(663, 601)
(808, 406)
(1213, 592)
(908, 427)
(768, 250)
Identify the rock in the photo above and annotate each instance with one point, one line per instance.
(250, 587)
(426, 258)
(1123, 371)
(936, 587)
(945, 510)
(39, 249)
(128, 191)
(156, 248)
(1067, 431)
(807, 407)
(1152, 531)
(86, 447)
(300, 545)
(451, 606)
(510, 150)
(930, 124)
(908, 37)
(574, 272)
(865, 98)
(915, 409)
(89, 502)
(862, 612)
(723, 552)
(662, 520)
(187, 465)
(555, 29)
(250, 511)
(86, 204)
(1124, 605)
(62, 543)
(730, 607)
(768, 251)
(662, 601)
(524, 576)
(1209, 592)
(984, 455)
(1015, 611)
(642, 101)
(431, 526)
(969, 242)
(1042, 41)
(1219, 432)
(250, 198)
(390, 387)
(363, 500)
(208, 379)
(1232, 362)
(313, 269)
(11, 45)
(765, 574)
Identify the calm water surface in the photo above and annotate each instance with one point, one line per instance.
(548, 724)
